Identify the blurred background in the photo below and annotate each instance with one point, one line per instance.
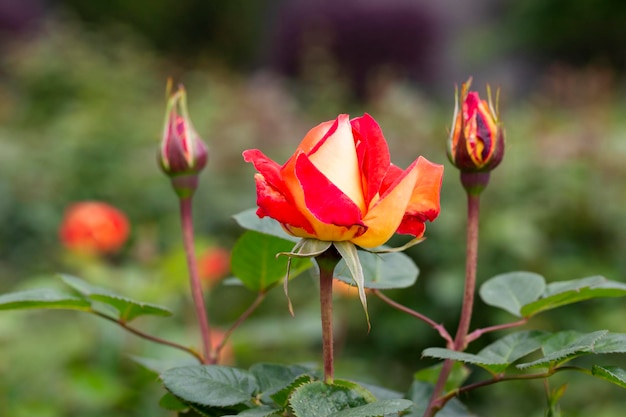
(82, 98)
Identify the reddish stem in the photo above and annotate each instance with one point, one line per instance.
(327, 262)
(194, 279)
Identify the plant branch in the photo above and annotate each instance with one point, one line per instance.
(326, 263)
(438, 327)
(194, 279)
(149, 337)
(255, 304)
(479, 332)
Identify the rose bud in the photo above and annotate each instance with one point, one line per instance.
(340, 185)
(476, 142)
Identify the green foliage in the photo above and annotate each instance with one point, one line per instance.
(42, 298)
(610, 373)
(420, 393)
(382, 271)
(255, 263)
(512, 290)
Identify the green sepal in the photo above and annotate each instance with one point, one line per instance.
(350, 256)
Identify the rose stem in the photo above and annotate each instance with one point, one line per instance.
(194, 280)
(471, 259)
(327, 262)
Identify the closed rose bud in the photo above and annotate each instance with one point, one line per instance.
(340, 185)
(183, 153)
(93, 227)
(476, 142)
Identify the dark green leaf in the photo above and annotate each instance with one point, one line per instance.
(382, 271)
(317, 399)
(211, 385)
(612, 374)
(255, 263)
(281, 398)
(42, 298)
(268, 226)
(272, 378)
(558, 294)
(262, 411)
(563, 346)
(378, 408)
(127, 308)
(499, 355)
(420, 393)
(512, 290)
(458, 375)
(611, 343)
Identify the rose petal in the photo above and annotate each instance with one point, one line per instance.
(373, 154)
(387, 213)
(424, 201)
(335, 157)
(273, 203)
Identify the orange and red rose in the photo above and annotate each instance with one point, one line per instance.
(340, 185)
(94, 227)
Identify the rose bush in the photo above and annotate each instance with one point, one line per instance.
(340, 185)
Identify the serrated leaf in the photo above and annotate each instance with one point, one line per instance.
(158, 366)
(430, 375)
(382, 271)
(42, 298)
(249, 220)
(564, 346)
(281, 398)
(499, 355)
(512, 290)
(254, 261)
(611, 343)
(318, 399)
(558, 294)
(612, 374)
(420, 393)
(127, 308)
(378, 408)
(272, 378)
(262, 411)
(210, 385)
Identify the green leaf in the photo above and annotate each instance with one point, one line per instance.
(458, 375)
(127, 308)
(42, 298)
(564, 346)
(211, 385)
(384, 271)
(420, 393)
(378, 408)
(262, 411)
(317, 399)
(170, 402)
(350, 256)
(254, 261)
(611, 343)
(512, 290)
(272, 378)
(558, 294)
(612, 374)
(281, 398)
(268, 226)
(499, 355)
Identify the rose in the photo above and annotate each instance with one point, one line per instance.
(476, 142)
(93, 227)
(340, 185)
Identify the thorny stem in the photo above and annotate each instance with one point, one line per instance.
(461, 339)
(439, 327)
(194, 279)
(327, 262)
(147, 336)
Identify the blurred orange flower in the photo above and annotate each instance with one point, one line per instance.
(94, 227)
(213, 265)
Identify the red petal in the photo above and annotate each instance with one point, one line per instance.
(276, 205)
(373, 154)
(266, 167)
(323, 199)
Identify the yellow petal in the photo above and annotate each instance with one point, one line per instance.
(384, 217)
